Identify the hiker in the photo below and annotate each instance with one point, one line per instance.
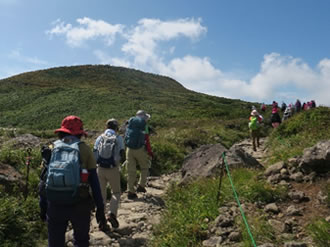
(263, 107)
(274, 104)
(109, 152)
(283, 107)
(298, 105)
(275, 117)
(254, 126)
(313, 104)
(137, 153)
(287, 113)
(64, 190)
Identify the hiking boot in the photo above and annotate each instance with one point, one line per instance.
(131, 195)
(141, 189)
(104, 227)
(113, 220)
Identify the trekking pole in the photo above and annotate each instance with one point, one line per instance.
(221, 175)
(28, 162)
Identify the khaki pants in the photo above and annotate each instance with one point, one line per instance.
(111, 175)
(255, 137)
(137, 157)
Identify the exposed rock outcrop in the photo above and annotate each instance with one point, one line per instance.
(10, 177)
(316, 158)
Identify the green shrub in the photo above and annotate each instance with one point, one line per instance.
(320, 231)
(19, 222)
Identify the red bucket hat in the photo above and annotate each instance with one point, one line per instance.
(72, 125)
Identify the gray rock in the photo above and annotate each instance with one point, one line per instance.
(316, 158)
(224, 221)
(298, 196)
(235, 236)
(327, 219)
(284, 172)
(10, 177)
(298, 177)
(212, 242)
(274, 169)
(204, 162)
(266, 245)
(278, 226)
(238, 157)
(322, 197)
(295, 244)
(274, 179)
(272, 208)
(24, 141)
(293, 211)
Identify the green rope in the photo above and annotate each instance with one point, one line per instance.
(237, 200)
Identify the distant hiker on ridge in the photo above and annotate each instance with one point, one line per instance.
(254, 126)
(137, 152)
(109, 152)
(64, 187)
(275, 117)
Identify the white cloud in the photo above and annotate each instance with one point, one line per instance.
(279, 78)
(143, 39)
(87, 29)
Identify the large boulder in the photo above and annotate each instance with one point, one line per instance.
(316, 158)
(10, 177)
(24, 141)
(238, 157)
(206, 161)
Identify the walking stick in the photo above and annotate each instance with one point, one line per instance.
(221, 175)
(28, 162)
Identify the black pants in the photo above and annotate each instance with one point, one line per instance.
(58, 217)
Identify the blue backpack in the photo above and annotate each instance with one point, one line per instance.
(63, 175)
(135, 136)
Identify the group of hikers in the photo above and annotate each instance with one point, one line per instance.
(72, 170)
(288, 111)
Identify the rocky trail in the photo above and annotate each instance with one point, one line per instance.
(136, 217)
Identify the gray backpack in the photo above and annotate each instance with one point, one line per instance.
(106, 151)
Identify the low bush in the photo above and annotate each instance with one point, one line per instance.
(19, 222)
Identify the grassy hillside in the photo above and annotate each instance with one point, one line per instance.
(303, 130)
(37, 102)
(40, 99)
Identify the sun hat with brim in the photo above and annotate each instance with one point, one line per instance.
(254, 113)
(72, 125)
(143, 114)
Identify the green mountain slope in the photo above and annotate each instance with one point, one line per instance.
(40, 99)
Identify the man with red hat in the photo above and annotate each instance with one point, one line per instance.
(78, 213)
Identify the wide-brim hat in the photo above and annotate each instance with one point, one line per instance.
(254, 113)
(142, 113)
(72, 125)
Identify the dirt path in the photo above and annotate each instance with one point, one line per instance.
(136, 217)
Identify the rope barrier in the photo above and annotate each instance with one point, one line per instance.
(237, 200)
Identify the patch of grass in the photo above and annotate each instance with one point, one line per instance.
(260, 229)
(320, 231)
(183, 223)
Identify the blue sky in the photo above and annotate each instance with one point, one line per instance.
(256, 50)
